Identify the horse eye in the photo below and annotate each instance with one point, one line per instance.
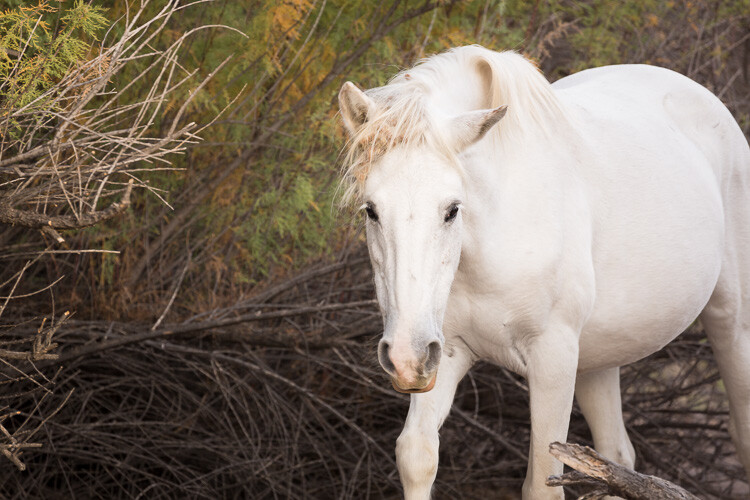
(452, 212)
(371, 214)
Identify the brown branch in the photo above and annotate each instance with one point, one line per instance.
(611, 478)
(188, 328)
(13, 216)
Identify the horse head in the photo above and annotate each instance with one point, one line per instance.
(409, 184)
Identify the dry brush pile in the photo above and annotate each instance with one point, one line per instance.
(280, 396)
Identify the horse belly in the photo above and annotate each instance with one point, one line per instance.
(632, 327)
(658, 243)
(649, 289)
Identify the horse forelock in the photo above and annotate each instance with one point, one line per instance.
(401, 120)
(403, 117)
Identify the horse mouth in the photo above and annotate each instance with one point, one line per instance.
(426, 388)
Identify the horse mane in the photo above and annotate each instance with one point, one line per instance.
(406, 114)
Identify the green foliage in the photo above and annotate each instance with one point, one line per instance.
(276, 210)
(34, 53)
(589, 34)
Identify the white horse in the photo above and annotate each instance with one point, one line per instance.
(589, 228)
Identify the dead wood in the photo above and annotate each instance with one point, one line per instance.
(34, 220)
(610, 478)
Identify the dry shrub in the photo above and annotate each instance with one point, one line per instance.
(71, 152)
(295, 406)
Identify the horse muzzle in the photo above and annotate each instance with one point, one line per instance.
(411, 370)
(415, 390)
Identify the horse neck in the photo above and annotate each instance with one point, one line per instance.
(512, 190)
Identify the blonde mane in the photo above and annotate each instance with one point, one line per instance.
(405, 114)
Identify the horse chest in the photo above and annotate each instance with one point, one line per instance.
(498, 325)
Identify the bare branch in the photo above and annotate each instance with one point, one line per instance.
(12, 216)
(612, 478)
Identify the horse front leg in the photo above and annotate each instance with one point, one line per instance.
(417, 446)
(551, 372)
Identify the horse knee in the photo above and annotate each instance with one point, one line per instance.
(625, 455)
(417, 460)
(739, 430)
(620, 451)
(535, 492)
(623, 452)
(631, 455)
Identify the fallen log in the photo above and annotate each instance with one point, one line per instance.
(608, 478)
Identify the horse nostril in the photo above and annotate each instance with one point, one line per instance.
(384, 356)
(434, 351)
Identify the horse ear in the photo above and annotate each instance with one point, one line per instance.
(355, 106)
(469, 127)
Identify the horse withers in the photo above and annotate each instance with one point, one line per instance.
(560, 231)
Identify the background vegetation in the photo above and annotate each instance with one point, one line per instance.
(232, 219)
(254, 200)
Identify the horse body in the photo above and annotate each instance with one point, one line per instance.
(658, 234)
(594, 227)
